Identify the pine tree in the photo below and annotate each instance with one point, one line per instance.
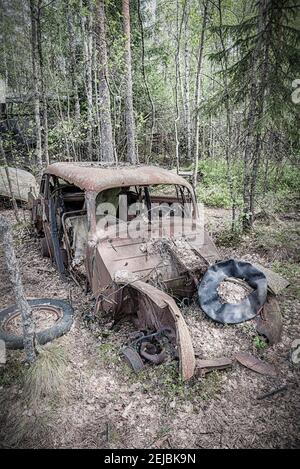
(266, 43)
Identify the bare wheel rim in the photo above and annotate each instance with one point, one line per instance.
(55, 313)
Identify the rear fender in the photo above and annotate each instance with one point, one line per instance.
(155, 309)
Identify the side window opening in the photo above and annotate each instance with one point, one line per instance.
(71, 218)
(123, 204)
(177, 198)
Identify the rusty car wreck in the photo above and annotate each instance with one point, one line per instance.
(137, 275)
(134, 236)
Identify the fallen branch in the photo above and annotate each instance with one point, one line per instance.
(272, 393)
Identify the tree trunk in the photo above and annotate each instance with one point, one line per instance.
(197, 92)
(187, 104)
(15, 278)
(97, 108)
(228, 148)
(256, 107)
(177, 78)
(42, 82)
(36, 83)
(129, 117)
(104, 96)
(146, 82)
(87, 33)
(73, 60)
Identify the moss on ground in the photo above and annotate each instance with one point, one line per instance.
(13, 371)
(164, 377)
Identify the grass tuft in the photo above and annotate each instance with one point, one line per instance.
(45, 376)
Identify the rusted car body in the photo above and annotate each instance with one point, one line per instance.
(80, 216)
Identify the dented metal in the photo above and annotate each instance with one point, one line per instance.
(95, 177)
(131, 276)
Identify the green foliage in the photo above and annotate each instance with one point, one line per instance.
(166, 378)
(282, 194)
(278, 240)
(213, 188)
(290, 270)
(228, 237)
(259, 343)
(278, 43)
(214, 196)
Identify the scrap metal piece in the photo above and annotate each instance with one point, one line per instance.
(149, 351)
(255, 364)
(154, 309)
(205, 366)
(133, 359)
(269, 322)
(276, 283)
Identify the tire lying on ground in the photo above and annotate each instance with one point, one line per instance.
(60, 308)
(228, 313)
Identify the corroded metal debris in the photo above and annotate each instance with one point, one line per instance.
(205, 366)
(269, 322)
(255, 364)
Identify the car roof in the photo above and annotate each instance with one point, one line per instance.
(96, 177)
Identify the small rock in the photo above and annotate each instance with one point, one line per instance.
(173, 404)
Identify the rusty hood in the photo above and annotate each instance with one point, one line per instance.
(159, 258)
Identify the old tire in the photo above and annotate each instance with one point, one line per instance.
(61, 308)
(227, 313)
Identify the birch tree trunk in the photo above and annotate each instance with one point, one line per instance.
(42, 82)
(87, 32)
(177, 78)
(187, 104)
(73, 61)
(97, 103)
(129, 117)
(107, 146)
(146, 81)
(15, 278)
(36, 83)
(197, 92)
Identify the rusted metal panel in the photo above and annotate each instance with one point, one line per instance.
(255, 364)
(205, 366)
(155, 309)
(269, 322)
(97, 177)
(148, 259)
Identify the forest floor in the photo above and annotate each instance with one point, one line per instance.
(103, 404)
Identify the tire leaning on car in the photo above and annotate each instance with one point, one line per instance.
(63, 309)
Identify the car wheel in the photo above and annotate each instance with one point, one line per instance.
(60, 309)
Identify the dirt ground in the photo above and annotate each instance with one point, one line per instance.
(103, 404)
